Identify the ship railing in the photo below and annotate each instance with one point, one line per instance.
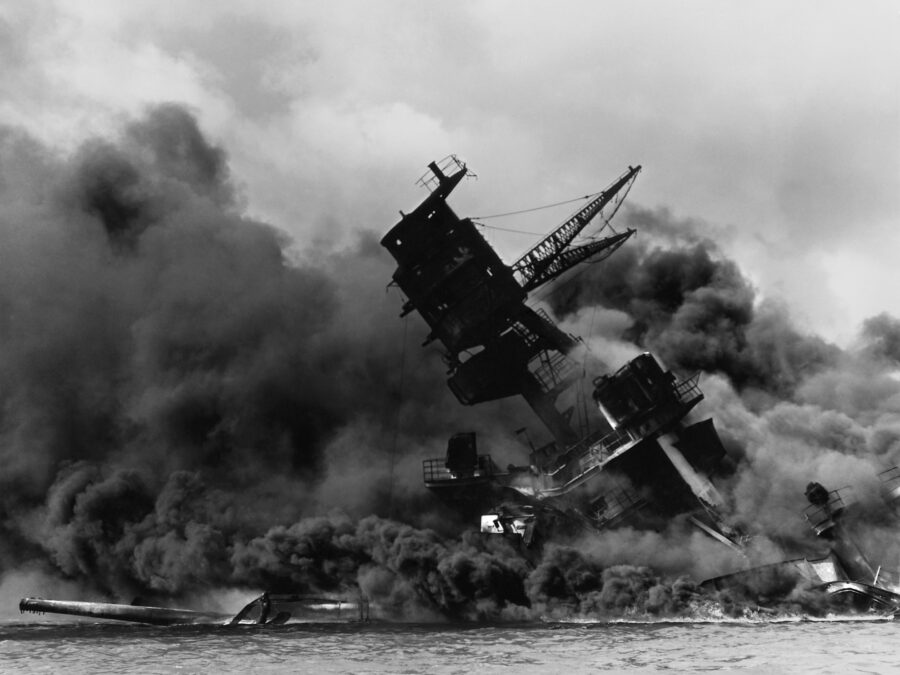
(436, 471)
(449, 166)
(821, 517)
(688, 391)
(890, 484)
(609, 443)
(587, 456)
(598, 453)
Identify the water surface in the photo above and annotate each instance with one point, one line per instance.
(832, 646)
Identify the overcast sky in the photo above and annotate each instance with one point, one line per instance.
(775, 123)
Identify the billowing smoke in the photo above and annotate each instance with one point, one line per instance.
(881, 338)
(176, 378)
(691, 306)
(190, 403)
(790, 407)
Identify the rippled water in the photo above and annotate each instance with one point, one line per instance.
(836, 646)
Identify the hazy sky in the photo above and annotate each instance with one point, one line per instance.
(775, 123)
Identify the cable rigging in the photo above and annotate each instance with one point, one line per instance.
(534, 208)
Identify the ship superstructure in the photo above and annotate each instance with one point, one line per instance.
(636, 461)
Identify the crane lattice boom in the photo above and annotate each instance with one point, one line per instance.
(533, 268)
(596, 250)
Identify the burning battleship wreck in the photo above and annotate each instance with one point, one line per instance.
(619, 448)
(635, 463)
(640, 461)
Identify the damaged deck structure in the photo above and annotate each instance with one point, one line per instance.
(639, 460)
(635, 460)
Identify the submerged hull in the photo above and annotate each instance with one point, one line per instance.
(267, 609)
(156, 616)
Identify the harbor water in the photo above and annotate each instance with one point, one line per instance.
(838, 645)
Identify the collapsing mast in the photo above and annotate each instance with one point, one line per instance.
(636, 461)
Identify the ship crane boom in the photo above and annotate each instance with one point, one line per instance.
(545, 260)
(597, 251)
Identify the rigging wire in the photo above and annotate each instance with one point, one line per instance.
(587, 351)
(509, 229)
(397, 420)
(573, 273)
(617, 204)
(535, 208)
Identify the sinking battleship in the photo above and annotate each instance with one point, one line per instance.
(640, 460)
(633, 457)
(637, 461)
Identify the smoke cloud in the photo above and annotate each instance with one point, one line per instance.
(191, 402)
(790, 407)
(690, 305)
(172, 377)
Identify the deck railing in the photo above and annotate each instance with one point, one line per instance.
(688, 390)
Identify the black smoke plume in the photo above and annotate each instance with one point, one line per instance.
(190, 403)
(173, 379)
(692, 306)
(790, 407)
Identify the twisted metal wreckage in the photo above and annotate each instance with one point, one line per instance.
(639, 462)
